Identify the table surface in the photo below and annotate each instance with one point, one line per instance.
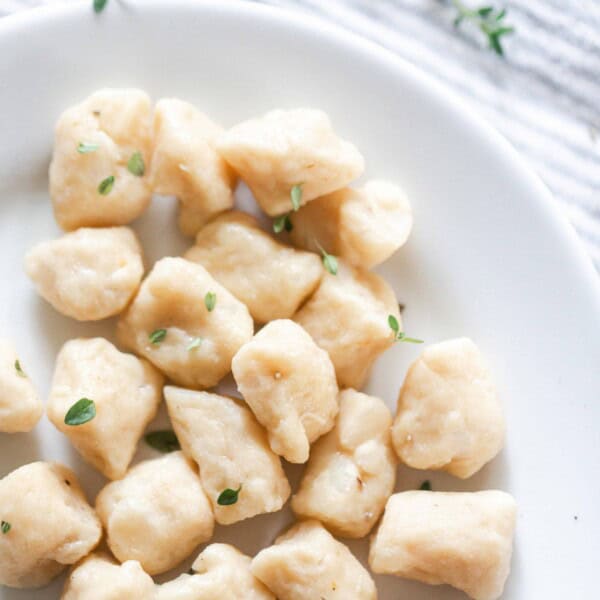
(543, 95)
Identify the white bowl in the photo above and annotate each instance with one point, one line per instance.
(490, 256)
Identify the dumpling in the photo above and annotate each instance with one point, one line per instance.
(232, 451)
(89, 274)
(185, 323)
(20, 405)
(460, 538)
(221, 572)
(286, 148)
(46, 524)
(186, 164)
(363, 226)
(449, 415)
(125, 392)
(289, 383)
(101, 149)
(308, 562)
(348, 317)
(352, 470)
(271, 279)
(99, 577)
(157, 514)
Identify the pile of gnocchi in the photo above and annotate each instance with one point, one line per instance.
(297, 324)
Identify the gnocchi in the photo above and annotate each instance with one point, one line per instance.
(286, 148)
(271, 279)
(157, 514)
(186, 164)
(449, 416)
(46, 524)
(352, 470)
(460, 538)
(232, 452)
(88, 274)
(124, 390)
(289, 383)
(101, 148)
(185, 323)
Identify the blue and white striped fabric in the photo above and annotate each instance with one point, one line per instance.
(544, 95)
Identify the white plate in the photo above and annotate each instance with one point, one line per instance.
(489, 257)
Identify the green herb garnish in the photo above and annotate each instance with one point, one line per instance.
(157, 336)
(330, 262)
(19, 370)
(99, 5)
(164, 441)
(228, 496)
(282, 222)
(87, 147)
(81, 412)
(195, 343)
(210, 300)
(5, 527)
(425, 486)
(400, 336)
(135, 164)
(106, 185)
(487, 19)
(296, 196)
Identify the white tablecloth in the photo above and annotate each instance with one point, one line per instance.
(544, 95)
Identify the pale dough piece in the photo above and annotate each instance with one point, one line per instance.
(119, 122)
(20, 405)
(172, 297)
(352, 470)
(231, 449)
(51, 524)
(186, 164)
(99, 577)
(449, 415)
(271, 279)
(308, 562)
(348, 317)
(460, 538)
(125, 390)
(89, 274)
(157, 514)
(285, 148)
(363, 226)
(289, 383)
(221, 572)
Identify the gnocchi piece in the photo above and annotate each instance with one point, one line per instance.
(98, 577)
(91, 184)
(449, 415)
(20, 405)
(186, 164)
(126, 394)
(47, 524)
(308, 562)
(363, 226)
(185, 323)
(348, 317)
(221, 571)
(232, 451)
(352, 470)
(89, 274)
(271, 279)
(285, 148)
(157, 514)
(460, 538)
(289, 383)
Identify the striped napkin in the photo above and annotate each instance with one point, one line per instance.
(543, 95)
